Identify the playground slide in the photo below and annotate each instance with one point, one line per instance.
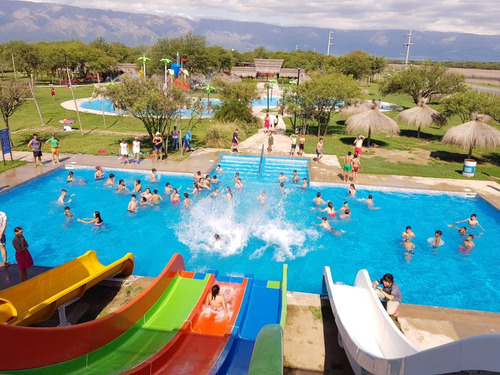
(49, 346)
(36, 299)
(375, 345)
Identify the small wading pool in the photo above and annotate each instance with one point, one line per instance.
(259, 238)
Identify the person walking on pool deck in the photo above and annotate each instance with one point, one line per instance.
(54, 148)
(235, 142)
(267, 121)
(390, 293)
(23, 256)
(319, 150)
(124, 151)
(36, 146)
(355, 168)
(136, 149)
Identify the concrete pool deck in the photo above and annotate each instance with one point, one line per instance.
(309, 324)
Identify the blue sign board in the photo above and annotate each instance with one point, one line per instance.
(5, 140)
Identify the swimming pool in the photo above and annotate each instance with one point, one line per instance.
(98, 104)
(259, 238)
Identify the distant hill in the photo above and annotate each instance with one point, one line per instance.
(32, 22)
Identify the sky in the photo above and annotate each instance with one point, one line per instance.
(463, 16)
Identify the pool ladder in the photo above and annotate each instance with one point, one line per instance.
(260, 162)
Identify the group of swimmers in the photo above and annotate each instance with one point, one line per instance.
(466, 247)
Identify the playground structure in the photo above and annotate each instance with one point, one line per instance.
(374, 345)
(163, 330)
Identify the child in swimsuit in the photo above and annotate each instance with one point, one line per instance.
(330, 210)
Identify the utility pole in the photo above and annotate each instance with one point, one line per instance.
(331, 38)
(408, 44)
(296, 47)
(72, 92)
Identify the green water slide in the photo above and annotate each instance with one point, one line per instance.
(152, 332)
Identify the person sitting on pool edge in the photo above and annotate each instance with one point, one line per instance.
(216, 302)
(390, 294)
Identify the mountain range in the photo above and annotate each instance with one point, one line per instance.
(32, 22)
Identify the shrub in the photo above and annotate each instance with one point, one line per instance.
(220, 134)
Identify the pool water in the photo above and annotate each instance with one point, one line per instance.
(257, 238)
(107, 104)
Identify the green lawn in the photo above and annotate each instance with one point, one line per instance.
(445, 160)
(9, 164)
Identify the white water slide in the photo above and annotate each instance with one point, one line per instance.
(374, 345)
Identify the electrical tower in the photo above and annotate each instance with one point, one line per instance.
(408, 44)
(331, 38)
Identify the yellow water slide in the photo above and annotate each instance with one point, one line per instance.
(36, 299)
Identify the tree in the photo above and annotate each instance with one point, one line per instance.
(13, 95)
(422, 81)
(146, 100)
(318, 98)
(356, 63)
(235, 97)
(464, 104)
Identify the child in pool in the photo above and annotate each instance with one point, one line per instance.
(330, 210)
(71, 177)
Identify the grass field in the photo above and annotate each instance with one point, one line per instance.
(426, 156)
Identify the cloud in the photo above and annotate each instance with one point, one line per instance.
(460, 16)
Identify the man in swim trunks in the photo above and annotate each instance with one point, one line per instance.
(390, 293)
(158, 146)
(346, 170)
(355, 168)
(293, 146)
(302, 143)
(358, 144)
(319, 150)
(54, 148)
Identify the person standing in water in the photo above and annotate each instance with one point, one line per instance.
(215, 301)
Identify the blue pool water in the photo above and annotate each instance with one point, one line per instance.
(97, 104)
(258, 239)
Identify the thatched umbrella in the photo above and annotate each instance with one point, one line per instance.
(371, 121)
(474, 133)
(355, 108)
(422, 116)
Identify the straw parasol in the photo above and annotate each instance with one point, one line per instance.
(371, 121)
(474, 133)
(355, 108)
(421, 116)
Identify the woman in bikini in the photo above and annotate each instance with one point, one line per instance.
(215, 301)
(175, 198)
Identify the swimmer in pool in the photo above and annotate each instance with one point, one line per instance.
(295, 177)
(408, 233)
(175, 197)
(197, 176)
(468, 243)
(62, 197)
(409, 249)
(187, 201)
(304, 184)
(68, 216)
(215, 180)
(371, 205)
(132, 205)
(436, 240)
(121, 187)
(236, 176)
(229, 193)
(147, 194)
(352, 190)
(218, 242)
(282, 177)
(238, 185)
(71, 177)
(137, 186)
(144, 202)
(216, 301)
(462, 231)
(324, 223)
(346, 214)
(344, 207)
(218, 169)
(110, 180)
(96, 220)
(318, 200)
(472, 220)
(330, 210)
(152, 176)
(156, 198)
(99, 173)
(262, 197)
(215, 193)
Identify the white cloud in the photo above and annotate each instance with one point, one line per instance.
(463, 16)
